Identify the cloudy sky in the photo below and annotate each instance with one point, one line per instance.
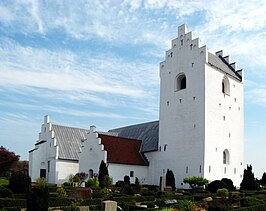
(96, 62)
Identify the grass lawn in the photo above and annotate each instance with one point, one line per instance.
(3, 181)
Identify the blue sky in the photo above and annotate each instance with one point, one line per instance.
(97, 62)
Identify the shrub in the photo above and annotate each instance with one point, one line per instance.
(120, 183)
(150, 204)
(58, 201)
(61, 192)
(127, 190)
(19, 182)
(215, 185)
(106, 182)
(98, 193)
(146, 192)
(250, 201)
(7, 202)
(230, 184)
(5, 192)
(223, 192)
(38, 199)
(248, 182)
(127, 180)
(92, 183)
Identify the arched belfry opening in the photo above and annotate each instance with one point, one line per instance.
(181, 82)
(225, 86)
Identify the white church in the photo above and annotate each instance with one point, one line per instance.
(199, 132)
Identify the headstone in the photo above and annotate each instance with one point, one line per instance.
(162, 182)
(168, 189)
(109, 205)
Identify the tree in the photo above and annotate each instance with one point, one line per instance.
(19, 182)
(103, 171)
(263, 179)
(248, 182)
(7, 160)
(196, 182)
(170, 179)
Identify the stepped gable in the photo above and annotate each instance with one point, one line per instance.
(222, 63)
(122, 150)
(147, 132)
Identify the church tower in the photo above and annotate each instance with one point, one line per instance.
(201, 118)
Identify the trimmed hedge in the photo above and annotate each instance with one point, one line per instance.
(133, 198)
(57, 202)
(89, 202)
(254, 208)
(13, 203)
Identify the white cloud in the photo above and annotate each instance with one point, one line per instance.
(62, 71)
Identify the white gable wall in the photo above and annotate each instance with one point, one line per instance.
(92, 153)
(45, 156)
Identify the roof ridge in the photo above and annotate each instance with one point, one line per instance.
(134, 125)
(69, 127)
(121, 137)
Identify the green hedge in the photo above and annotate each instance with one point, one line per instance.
(254, 208)
(57, 201)
(7, 202)
(133, 198)
(89, 202)
(11, 209)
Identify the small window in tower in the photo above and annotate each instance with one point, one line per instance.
(181, 41)
(209, 169)
(229, 108)
(240, 175)
(240, 163)
(187, 170)
(239, 108)
(180, 100)
(235, 100)
(171, 54)
(229, 135)
(226, 157)
(200, 169)
(220, 104)
(234, 170)
(160, 148)
(224, 170)
(194, 98)
(216, 149)
(164, 147)
(167, 103)
(194, 125)
(45, 129)
(225, 86)
(131, 173)
(224, 118)
(192, 64)
(191, 46)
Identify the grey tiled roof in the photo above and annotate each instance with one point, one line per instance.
(221, 64)
(69, 141)
(147, 132)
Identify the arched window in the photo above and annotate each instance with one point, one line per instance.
(226, 157)
(181, 82)
(225, 86)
